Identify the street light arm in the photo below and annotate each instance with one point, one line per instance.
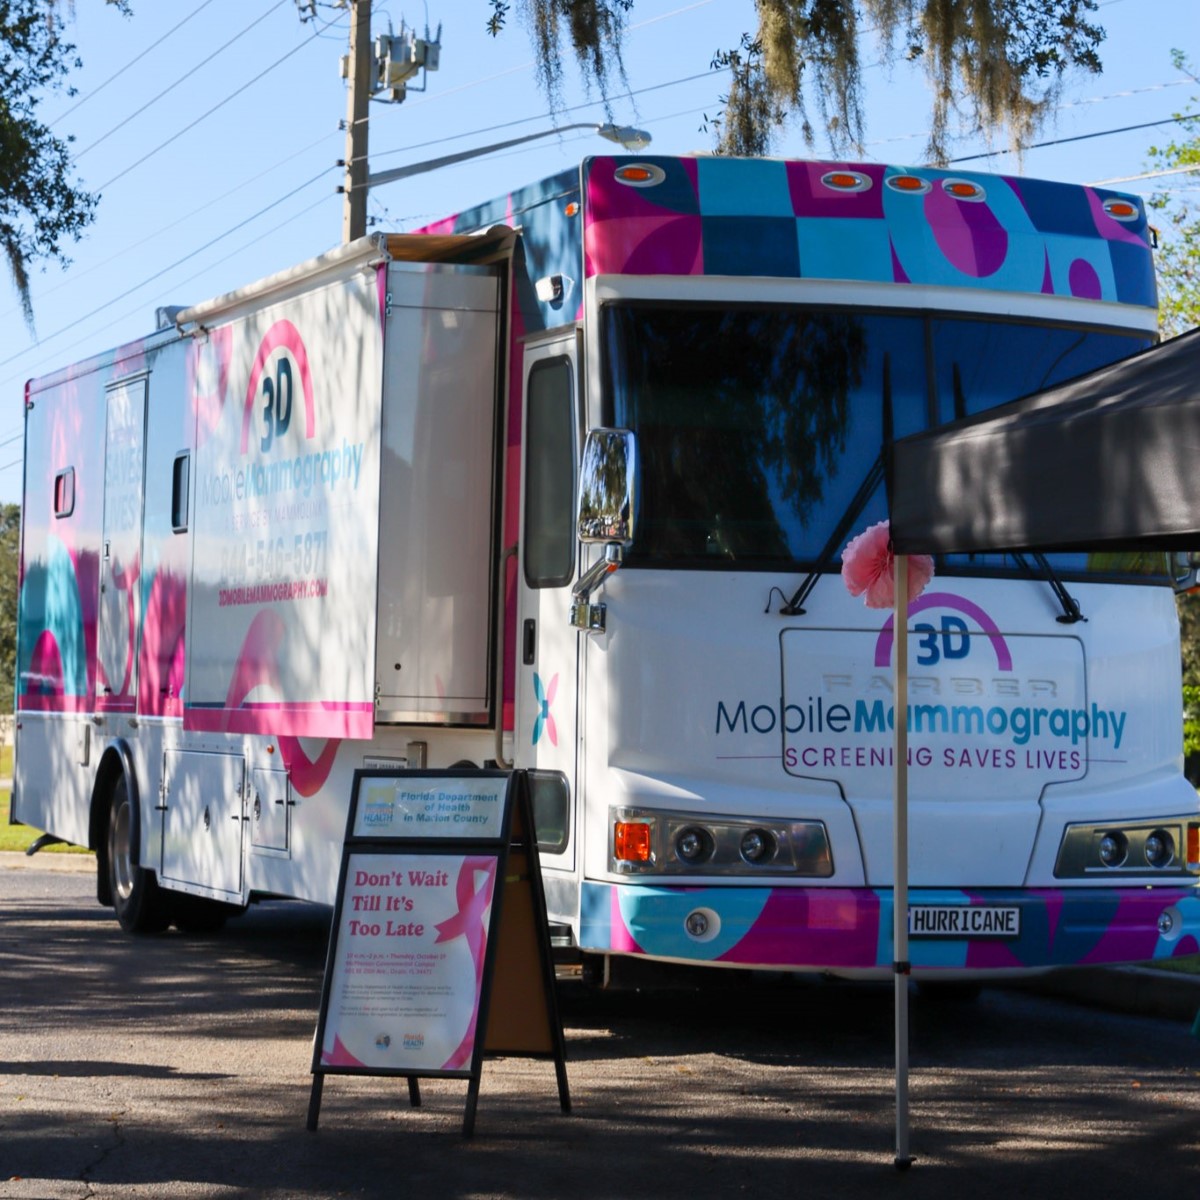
(632, 139)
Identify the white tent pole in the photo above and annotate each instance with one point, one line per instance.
(900, 964)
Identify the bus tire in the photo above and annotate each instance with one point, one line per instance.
(136, 898)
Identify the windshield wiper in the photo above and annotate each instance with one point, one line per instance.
(1070, 605)
(795, 606)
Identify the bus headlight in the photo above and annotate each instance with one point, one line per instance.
(758, 846)
(1159, 848)
(1162, 847)
(652, 841)
(694, 845)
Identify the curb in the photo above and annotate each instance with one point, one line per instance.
(16, 860)
(1141, 990)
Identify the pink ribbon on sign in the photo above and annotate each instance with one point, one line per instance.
(339, 1056)
(468, 922)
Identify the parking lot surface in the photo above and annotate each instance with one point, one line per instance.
(180, 1067)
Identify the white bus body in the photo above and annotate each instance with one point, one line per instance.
(333, 520)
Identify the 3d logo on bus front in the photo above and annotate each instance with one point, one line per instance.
(951, 641)
(947, 700)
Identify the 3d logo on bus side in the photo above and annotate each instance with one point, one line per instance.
(282, 349)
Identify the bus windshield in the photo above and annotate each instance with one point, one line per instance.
(756, 426)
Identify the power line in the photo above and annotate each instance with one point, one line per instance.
(182, 76)
(74, 278)
(205, 115)
(171, 267)
(1146, 175)
(1080, 137)
(124, 316)
(543, 116)
(1122, 95)
(132, 62)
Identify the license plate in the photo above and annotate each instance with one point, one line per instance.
(963, 921)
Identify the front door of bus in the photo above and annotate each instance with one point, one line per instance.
(547, 647)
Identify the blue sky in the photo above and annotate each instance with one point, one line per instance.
(210, 128)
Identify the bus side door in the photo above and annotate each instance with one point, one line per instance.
(548, 655)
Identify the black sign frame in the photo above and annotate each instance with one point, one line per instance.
(431, 816)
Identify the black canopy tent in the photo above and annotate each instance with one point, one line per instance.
(1107, 461)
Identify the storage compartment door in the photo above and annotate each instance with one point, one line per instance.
(270, 811)
(437, 540)
(203, 810)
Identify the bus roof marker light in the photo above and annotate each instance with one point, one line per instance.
(964, 189)
(912, 185)
(846, 181)
(640, 175)
(1122, 210)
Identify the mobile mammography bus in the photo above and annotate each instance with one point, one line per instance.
(561, 483)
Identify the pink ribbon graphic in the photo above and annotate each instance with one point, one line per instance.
(470, 922)
(339, 1056)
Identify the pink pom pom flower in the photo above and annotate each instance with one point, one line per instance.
(868, 568)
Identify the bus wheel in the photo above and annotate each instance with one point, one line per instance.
(140, 905)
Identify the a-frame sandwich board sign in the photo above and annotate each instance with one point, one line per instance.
(439, 952)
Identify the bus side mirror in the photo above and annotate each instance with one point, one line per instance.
(607, 492)
(1185, 566)
(607, 514)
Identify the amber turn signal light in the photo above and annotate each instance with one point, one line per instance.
(631, 841)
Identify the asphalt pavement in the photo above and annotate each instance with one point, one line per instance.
(179, 1066)
(1147, 991)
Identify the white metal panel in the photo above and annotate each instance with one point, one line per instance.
(120, 566)
(437, 494)
(270, 810)
(280, 634)
(203, 810)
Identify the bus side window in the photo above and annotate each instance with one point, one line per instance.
(550, 475)
(179, 492)
(64, 492)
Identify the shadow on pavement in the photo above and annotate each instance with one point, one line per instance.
(178, 1066)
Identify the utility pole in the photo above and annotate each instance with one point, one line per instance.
(361, 65)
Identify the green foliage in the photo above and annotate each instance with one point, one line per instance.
(593, 28)
(1191, 720)
(1178, 259)
(1188, 606)
(41, 206)
(999, 62)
